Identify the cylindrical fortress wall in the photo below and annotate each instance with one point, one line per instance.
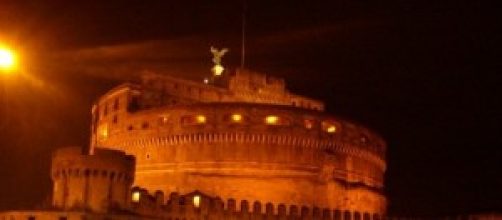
(252, 151)
(97, 182)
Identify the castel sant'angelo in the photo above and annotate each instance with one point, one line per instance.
(239, 146)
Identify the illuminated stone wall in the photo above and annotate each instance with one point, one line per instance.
(273, 153)
(217, 210)
(242, 86)
(67, 215)
(95, 182)
(196, 205)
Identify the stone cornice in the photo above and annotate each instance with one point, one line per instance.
(265, 139)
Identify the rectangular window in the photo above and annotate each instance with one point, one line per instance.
(193, 120)
(116, 104)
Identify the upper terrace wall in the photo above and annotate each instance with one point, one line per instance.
(224, 157)
(243, 86)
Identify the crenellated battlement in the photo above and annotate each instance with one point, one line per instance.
(72, 162)
(197, 205)
(95, 182)
(156, 90)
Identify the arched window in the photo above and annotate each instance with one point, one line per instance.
(103, 131)
(193, 119)
(329, 127)
(276, 120)
(357, 216)
(376, 216)
(145, 125)
(116, 104)
(337, 215)
(163, 119)
(347, 215)
(196, 201)
(366, 216)
(105, 110)
(136, 195)
(235, 118)
(308, 123)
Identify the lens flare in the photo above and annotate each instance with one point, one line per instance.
(7, 59)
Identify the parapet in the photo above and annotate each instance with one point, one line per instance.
(97, 182)
(101, 159)
(244, 86)
(197, 205)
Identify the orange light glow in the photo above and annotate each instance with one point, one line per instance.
(218, 70)
(201, 119)
(164, 119)
(7, 60)
(196, 201)
(136, 196)
(236, 118)
(272, 119)
(103, 131)
(309, 124)
(331, 129)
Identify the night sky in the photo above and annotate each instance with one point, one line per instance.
(407, 69)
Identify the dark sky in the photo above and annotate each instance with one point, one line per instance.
(408, 69)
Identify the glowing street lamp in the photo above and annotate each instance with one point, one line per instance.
(7, 60)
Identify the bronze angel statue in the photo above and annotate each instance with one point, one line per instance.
(218, 54)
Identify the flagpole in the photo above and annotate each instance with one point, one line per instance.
(243, 40)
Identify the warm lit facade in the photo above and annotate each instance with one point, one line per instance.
(98, 182)
(245, 137)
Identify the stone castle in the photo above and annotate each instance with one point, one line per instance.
(240, 147)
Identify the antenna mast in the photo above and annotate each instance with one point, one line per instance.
(243, 46)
